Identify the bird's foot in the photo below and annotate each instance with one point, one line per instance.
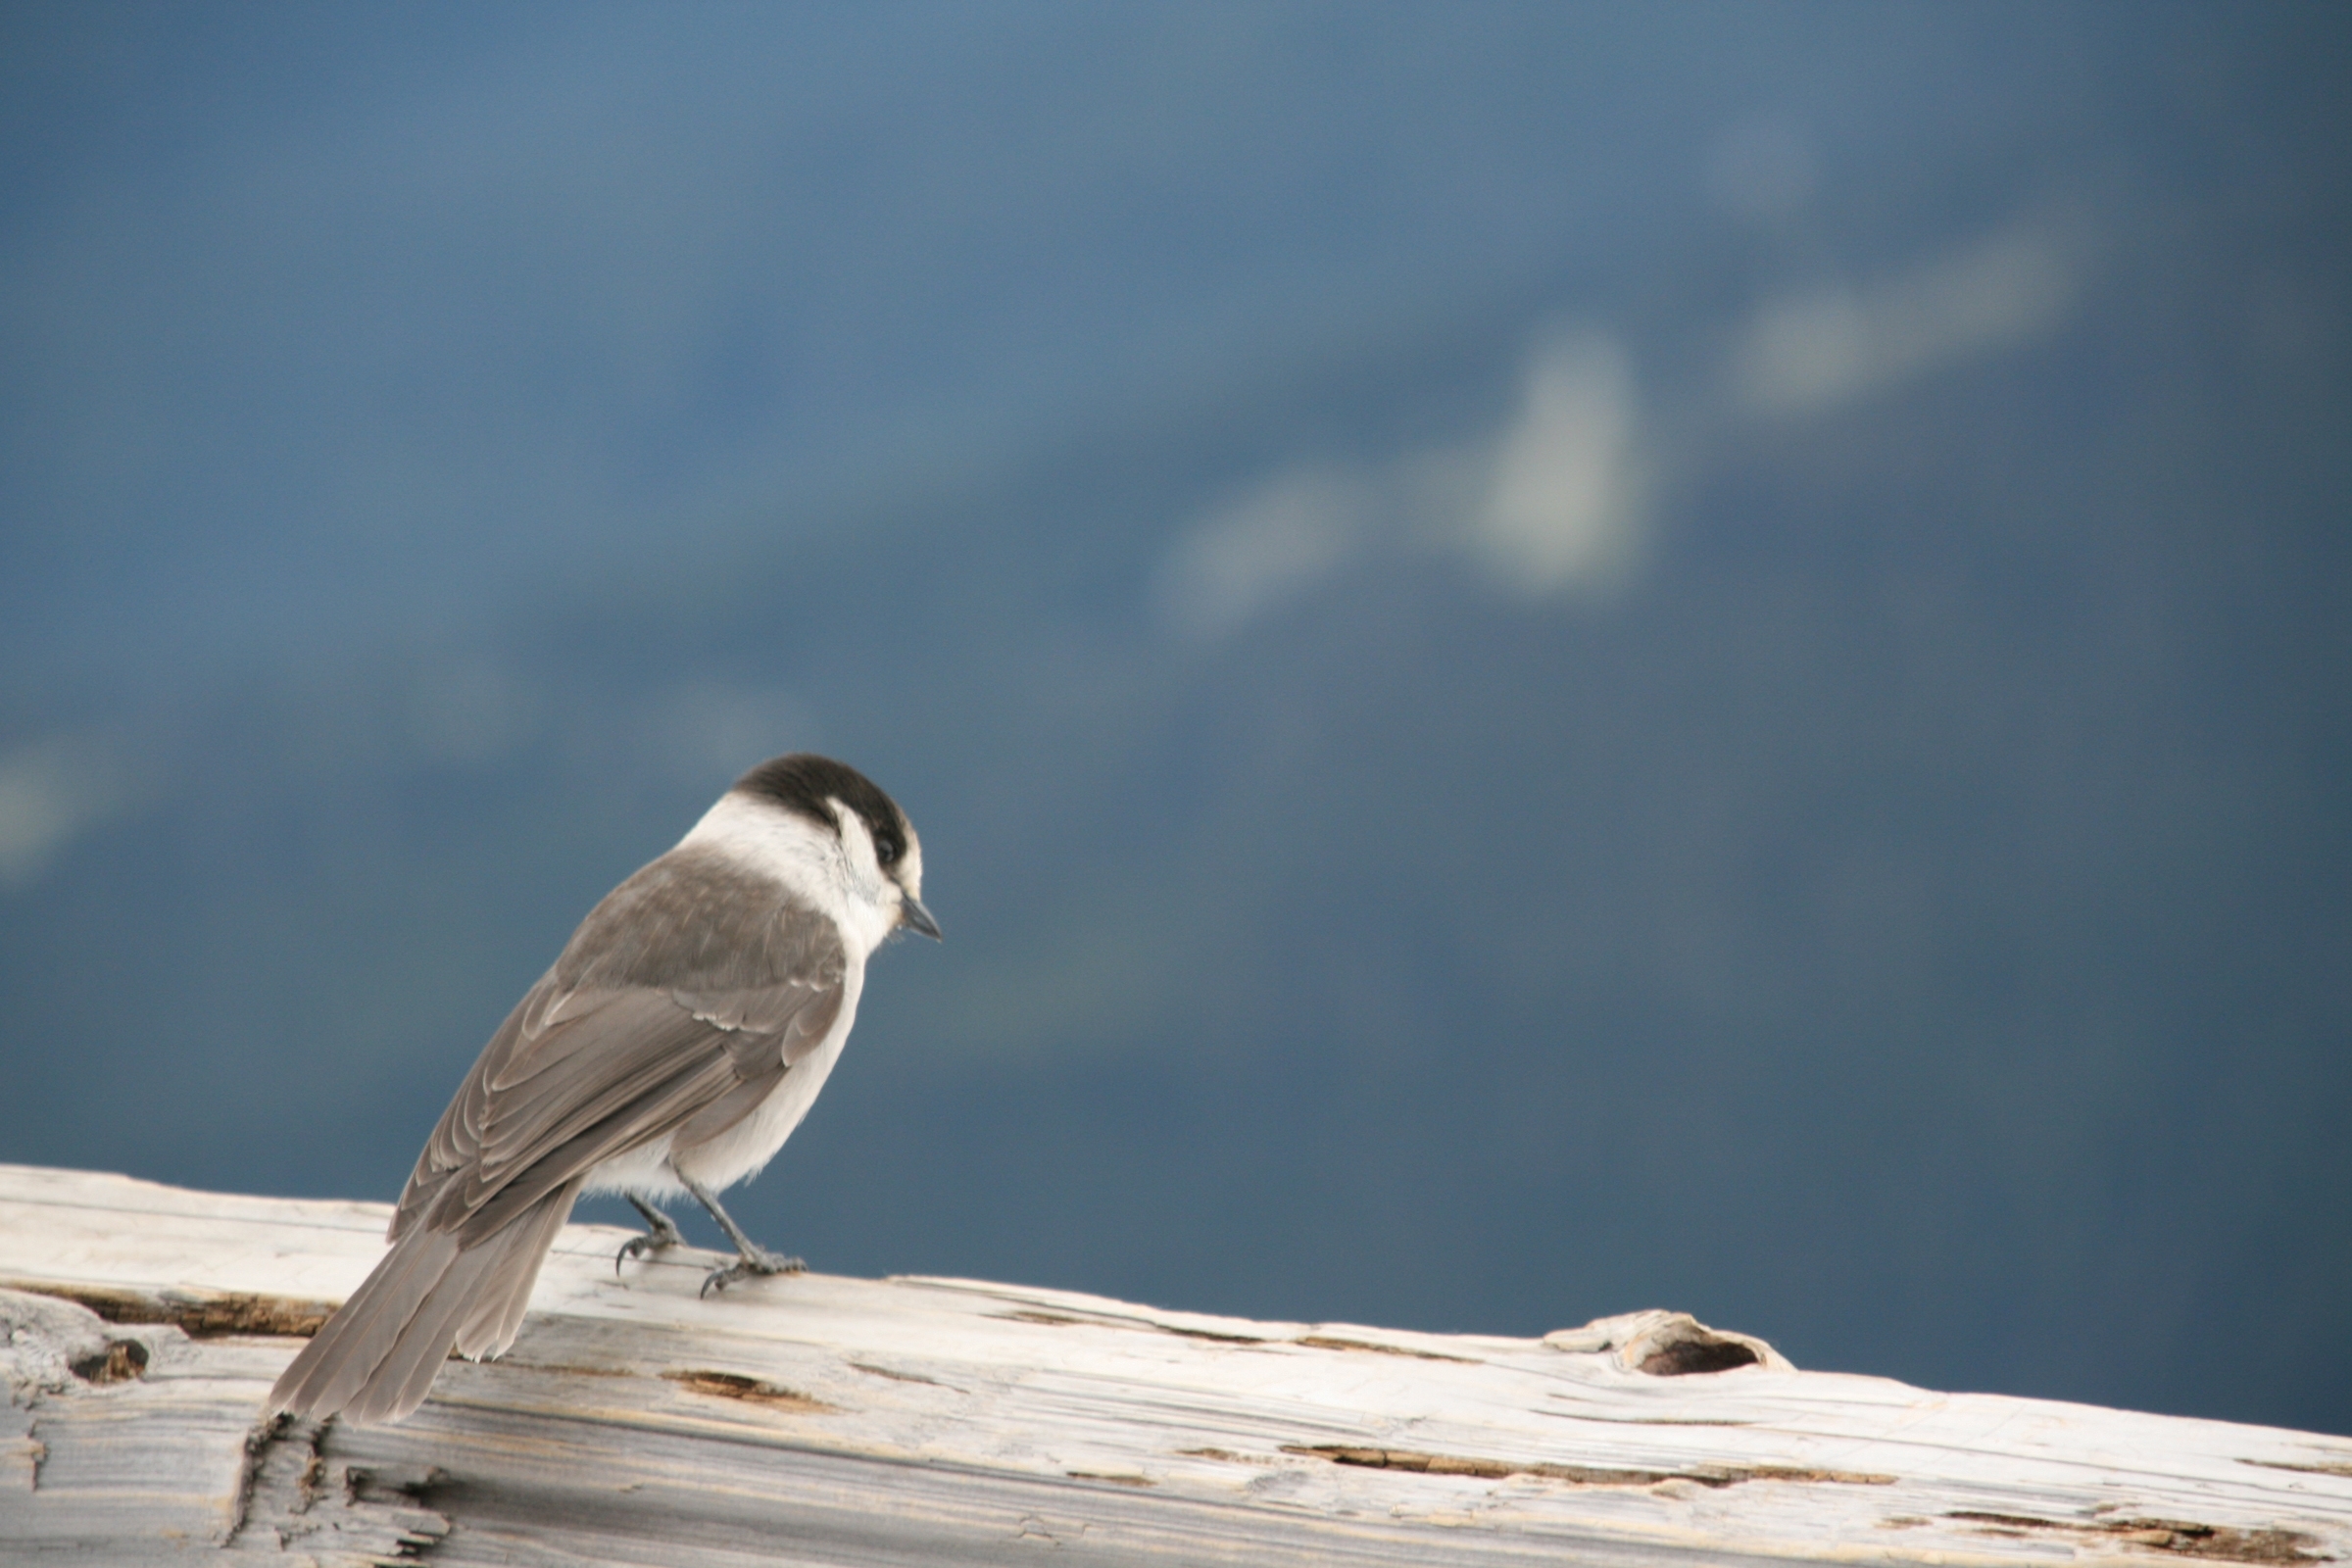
(646, 1246)
(754, 1261)
(660, 1235)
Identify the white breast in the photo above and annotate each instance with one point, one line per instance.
(840, 884)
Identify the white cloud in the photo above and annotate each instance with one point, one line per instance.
(1568, 481)
(1560, 499)
(1552, 501)
(1271, 543)
(1810, 354)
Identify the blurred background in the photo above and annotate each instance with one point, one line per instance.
(1553, 659)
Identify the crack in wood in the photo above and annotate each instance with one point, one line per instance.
(1645, 1420)
(200, 1315)
(1064, 1320)
(735, 1385)
(1331, 1342)
(2179, 1536)
(2322, 1467)
(903, 1377)
(1210, 1335)
(1226, 1455)
(566, 1369)
(1450, 1464)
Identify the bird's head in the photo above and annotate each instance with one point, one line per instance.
(879, 847)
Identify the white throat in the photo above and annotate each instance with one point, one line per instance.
(832, 870)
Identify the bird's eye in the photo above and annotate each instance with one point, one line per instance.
(887, 852)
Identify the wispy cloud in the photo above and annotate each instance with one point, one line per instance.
(1552, 501)
(1262, 547)
(1811, 353)
(1560, 499)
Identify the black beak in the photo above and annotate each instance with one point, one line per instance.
(913, 916)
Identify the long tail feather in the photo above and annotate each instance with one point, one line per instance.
(376, 1359)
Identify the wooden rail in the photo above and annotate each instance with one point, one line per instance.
(908, 1420)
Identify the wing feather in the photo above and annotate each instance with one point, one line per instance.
(589, 1065)
(685, 1000)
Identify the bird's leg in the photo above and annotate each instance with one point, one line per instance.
(751, 1258)
(661, 1231)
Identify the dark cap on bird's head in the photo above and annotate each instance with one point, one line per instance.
(813, 787)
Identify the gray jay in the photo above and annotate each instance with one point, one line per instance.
(671, 1050)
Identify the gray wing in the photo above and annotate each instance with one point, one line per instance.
(593, 1062)
(680, 1003)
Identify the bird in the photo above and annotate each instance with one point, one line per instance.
(671, 1049)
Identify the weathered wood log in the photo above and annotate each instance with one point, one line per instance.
(908, 1420)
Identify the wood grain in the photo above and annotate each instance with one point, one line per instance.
(913, 1420)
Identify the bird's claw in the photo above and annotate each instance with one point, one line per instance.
(752, 1263)
(637, 1246)
(660, 1239)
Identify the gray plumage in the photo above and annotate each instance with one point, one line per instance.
(678, 1007)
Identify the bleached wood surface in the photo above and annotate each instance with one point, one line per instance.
(828, 1420)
